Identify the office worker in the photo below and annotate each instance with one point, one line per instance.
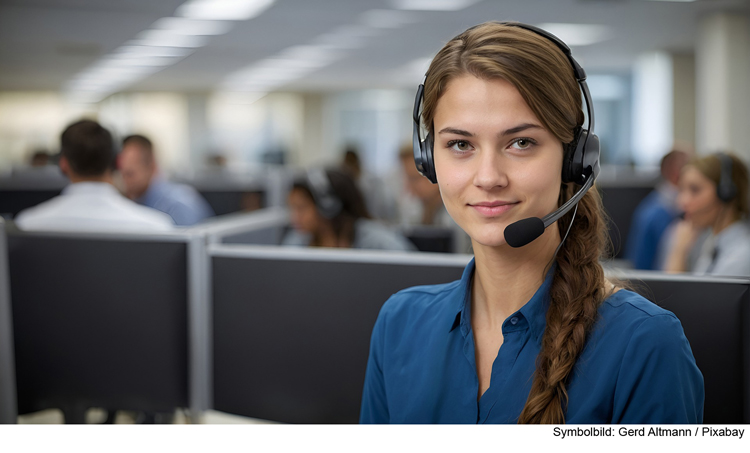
(90, 202)
(328, 210)
(714, 237)
(655, 214)
(145, 185)
(530, 334)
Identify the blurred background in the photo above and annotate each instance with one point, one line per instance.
(244, 83)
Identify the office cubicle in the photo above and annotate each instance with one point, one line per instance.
(21, 192)
(291, 327)
(108, 320)
(8, 411)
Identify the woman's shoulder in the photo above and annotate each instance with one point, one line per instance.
(417, 302)
(626, 313)
(633, 304)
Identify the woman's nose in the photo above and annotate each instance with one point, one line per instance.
(490, 170)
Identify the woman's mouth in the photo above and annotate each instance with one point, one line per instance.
(492, 208)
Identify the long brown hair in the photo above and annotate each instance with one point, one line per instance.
(544, 77)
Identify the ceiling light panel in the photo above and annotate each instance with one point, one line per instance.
(433, 5)
(578, 34)
(223, 9)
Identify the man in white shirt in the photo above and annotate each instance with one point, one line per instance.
(90, 203)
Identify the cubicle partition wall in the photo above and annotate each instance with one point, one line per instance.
(715, 314)
(109, 320)
(291, 327)
(24, 191)
(263, 227)
(8, 410)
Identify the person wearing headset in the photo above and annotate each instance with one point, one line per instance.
(714, 236)
(533, 332)
(328, 210)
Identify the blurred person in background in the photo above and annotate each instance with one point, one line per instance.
(380, 202)
(90, 202)
(714, 237)
(655, 213)
(328, 210)
(144, 184)
(423, 206)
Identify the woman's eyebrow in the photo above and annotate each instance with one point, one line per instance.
(450, 130)
(520, 128)
(512, 130)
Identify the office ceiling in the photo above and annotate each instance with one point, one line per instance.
(45, 43)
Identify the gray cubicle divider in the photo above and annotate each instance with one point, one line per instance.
(8, 410)
(262, 227)
(140, 326)
(715, 315)
(291, 326)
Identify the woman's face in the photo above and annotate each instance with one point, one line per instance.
(303, 211)
(494, 160)
(698, 198)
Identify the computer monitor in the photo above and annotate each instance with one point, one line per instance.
(431, 239)
(100, 321)
(291, 327)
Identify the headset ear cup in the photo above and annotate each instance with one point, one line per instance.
(428, 159)
(573, 162)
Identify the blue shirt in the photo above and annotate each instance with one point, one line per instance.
(650, 220)
(636, 367)
(183, 203)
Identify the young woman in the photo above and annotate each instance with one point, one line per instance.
(714, 237)
(328, 210)
(530, 334)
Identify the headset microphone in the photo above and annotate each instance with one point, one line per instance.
(520, 233)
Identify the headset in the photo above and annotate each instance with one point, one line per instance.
(726, 190)
(581, 166)
(328, 203)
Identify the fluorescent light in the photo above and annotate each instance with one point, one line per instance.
(151, 51)
(386, 18)
(433, 5)
(167, 38)
(223, 9)
(577, 34)
(193, 27)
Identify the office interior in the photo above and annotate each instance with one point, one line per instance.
(217, 322)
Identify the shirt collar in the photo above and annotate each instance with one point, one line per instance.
(90, 188)
(534, 311)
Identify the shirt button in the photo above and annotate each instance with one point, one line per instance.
(514, 321)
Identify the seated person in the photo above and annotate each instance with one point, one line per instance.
(143, 184)
(714, 237)
(655, 213)
(328, 210)
(90, 202)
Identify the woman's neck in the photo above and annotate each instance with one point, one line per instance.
(506, 278)
(727, 217)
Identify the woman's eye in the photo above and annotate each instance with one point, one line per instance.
(522, 143)
(459, 145)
